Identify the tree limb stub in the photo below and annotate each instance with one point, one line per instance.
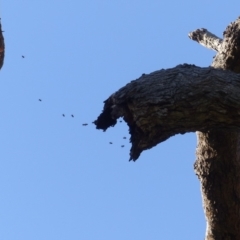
(206, 38)
(183, 99)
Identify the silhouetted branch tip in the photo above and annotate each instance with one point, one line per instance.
(2, 47)
(106, 119)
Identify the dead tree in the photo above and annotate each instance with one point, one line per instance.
(184, 99)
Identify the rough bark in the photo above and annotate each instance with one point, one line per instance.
(218, 162)
(2, 47)
(183, 99)
(217, 167)
(186, 98)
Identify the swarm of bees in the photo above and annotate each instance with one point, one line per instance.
(23, 56)
(83, 124)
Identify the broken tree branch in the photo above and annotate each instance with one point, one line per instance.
(218, 157)
(227, 49)
(2, 47)
(167, 102)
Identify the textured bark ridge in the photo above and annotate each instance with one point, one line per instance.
(206, 38)
(2, 47)
(217, 167)
(187, 98)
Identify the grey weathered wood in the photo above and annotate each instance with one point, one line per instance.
(183, 99)
(206, 38)
(188, 98)
(228, 58)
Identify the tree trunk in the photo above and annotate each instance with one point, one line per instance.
(187, 98)
(218, 169)
(2, 47)
(218, 156)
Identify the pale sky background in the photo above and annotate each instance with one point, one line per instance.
(61, 180)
